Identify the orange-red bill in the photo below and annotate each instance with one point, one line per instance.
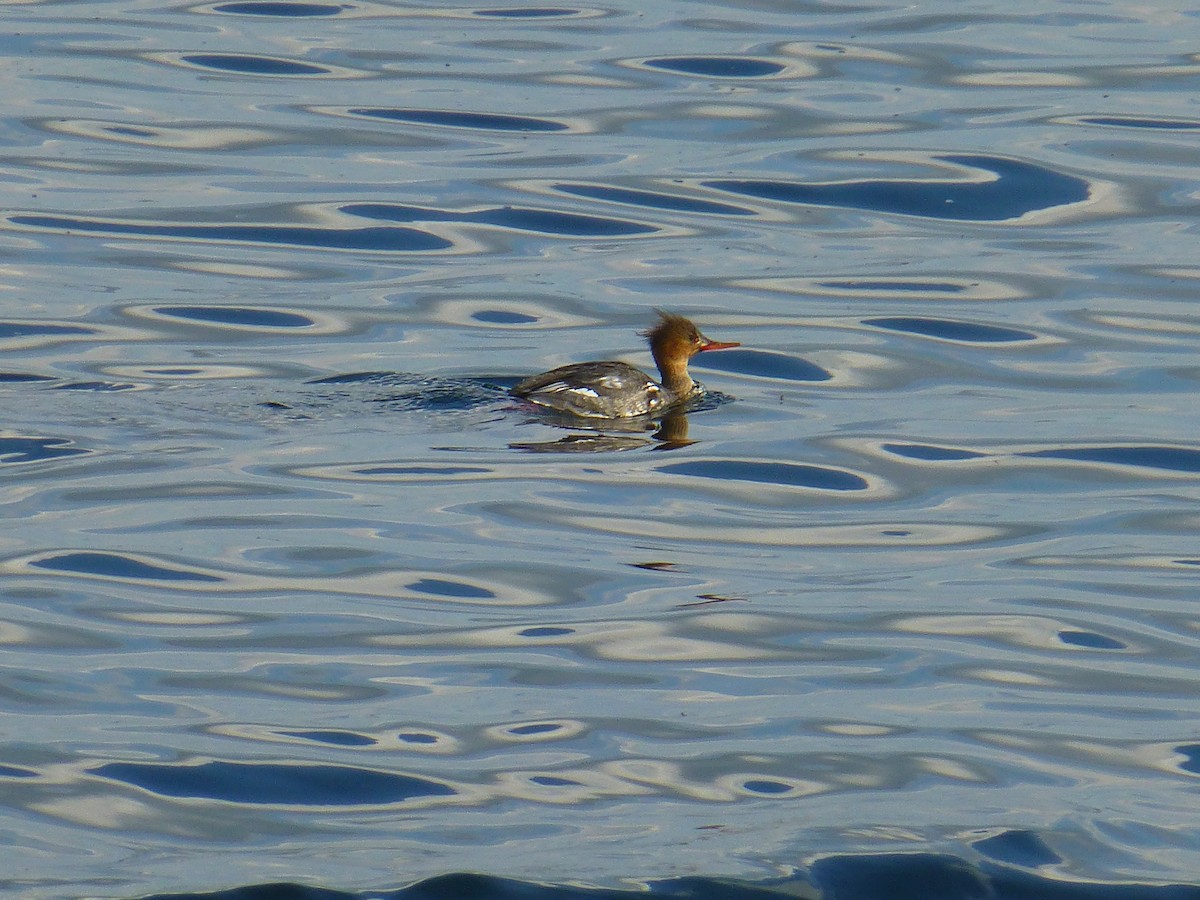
(718, 345)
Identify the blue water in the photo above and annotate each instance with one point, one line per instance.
(296, 602)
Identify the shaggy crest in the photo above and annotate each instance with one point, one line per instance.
(670, 323)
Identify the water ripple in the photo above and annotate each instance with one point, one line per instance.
(834, 876)
(714, 531)
(966, 332)
(762, 364)
(533, 12)
(15, 450)
(160, 135)
(989, 189)
(1139, 122)
(111, 565)
(389, 239)
(252, 64)
(1169, 459)
(450, 118)
(274, 783)
(651, 199)
(715, 66)
(539, 221)
(817, 477)
(279, 8)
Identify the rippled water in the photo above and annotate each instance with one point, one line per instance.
(292, 591)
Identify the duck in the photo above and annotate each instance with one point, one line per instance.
(609, 389)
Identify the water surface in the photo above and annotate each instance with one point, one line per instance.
(293, 594)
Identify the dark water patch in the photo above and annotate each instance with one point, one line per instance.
(542, 631)
(1021, 848)
(763, 786)
(504, 383)
(1141, 122)
(716, 66)
(14, 772)
(336, 738)
(406, 240)
(527, 12)
(651, 199)
(464, 886)
(503, 317)
(900, 876)
(786, 474)
(762, 364)
(279, 783)
(1017, 189)
(130, 131)
(252, 65)
(445, 588)
(555, 781)
(242, 316)
(535, 728)
(450, 118)
(113, 565)
(39, 329)
(99, 387)
(1172, 459)
(1192, 761)
(417, 737)
(1091, 640)
(915, 876)
(931, 453)
(519, 218)
(273, 8)
(950, 330)
(35, 449)
(22, 378)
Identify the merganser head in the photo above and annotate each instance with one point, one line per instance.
(675, 340)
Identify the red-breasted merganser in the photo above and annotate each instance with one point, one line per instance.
(615, 390)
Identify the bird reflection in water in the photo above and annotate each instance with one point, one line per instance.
(670, 432)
